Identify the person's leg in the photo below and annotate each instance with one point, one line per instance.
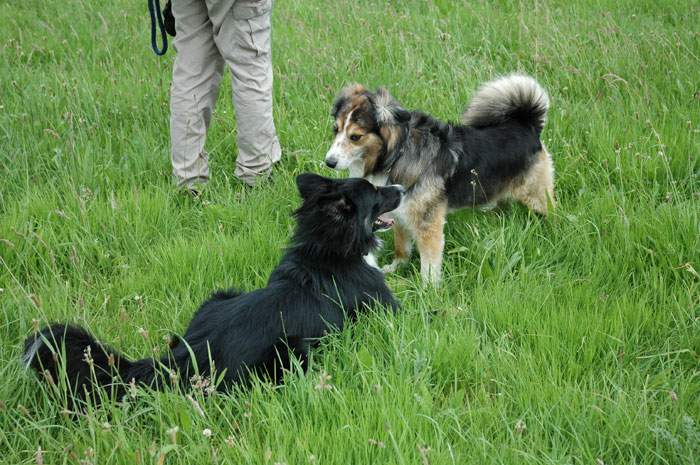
(243, 37)
(196, 76)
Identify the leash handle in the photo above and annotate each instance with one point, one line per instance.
(157, 22)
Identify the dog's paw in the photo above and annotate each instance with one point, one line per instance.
(392, 267)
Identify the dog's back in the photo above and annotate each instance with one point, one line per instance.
(495, 154)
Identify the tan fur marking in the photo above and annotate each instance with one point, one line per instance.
(358, 102)
(402, 244)
(373, 148)
(355, 94)
(430, 241)
(390, 134)
(354, 128)
(425, 215)
(535, 188)
(352, 89)
(417, 136)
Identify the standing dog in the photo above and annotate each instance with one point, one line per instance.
(321, 280)
(495, 154)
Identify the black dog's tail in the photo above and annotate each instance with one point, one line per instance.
(511, 98)
(87, 364)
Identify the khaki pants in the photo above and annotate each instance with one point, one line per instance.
(211, 33)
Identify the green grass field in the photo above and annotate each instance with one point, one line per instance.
(573, 340)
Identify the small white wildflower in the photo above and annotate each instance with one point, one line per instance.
(195, 404)
(323, 382)
(87, 356)
(374, 442)
(423, 451)
(172, 432)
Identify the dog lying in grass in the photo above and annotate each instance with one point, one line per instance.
(495, 154)
(320, 283)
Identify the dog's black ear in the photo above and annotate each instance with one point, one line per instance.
(402, 115)
(337, 105)
(310, 184)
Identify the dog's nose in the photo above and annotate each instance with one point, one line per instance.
(331, 162)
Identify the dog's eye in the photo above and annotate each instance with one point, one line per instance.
(355, 137)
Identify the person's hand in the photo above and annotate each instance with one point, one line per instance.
(169, 19)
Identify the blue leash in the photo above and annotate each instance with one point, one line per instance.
(154, 9)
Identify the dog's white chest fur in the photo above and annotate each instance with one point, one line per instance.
(378, 180)
(357, 169)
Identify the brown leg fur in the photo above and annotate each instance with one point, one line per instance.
(430, 241)
(402, 248)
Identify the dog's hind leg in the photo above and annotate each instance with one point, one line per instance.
(403, 243)
(301, 347)
(536, 188)
(430, 239)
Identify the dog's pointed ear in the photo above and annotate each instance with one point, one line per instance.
(387, 110)
(402, 115)
(346, 94)
(310, 184)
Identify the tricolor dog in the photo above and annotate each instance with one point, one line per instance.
(494, 155)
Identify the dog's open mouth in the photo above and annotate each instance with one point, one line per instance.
(382, 224)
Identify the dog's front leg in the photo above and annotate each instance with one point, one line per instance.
(430, 247)
(430, 239)
(403, 243)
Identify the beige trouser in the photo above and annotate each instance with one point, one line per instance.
(209, 34)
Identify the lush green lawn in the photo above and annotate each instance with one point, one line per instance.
(574, 340)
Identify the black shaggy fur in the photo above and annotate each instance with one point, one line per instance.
(474, 163)
(321, 281)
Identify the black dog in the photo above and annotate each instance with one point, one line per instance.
(321, 280)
